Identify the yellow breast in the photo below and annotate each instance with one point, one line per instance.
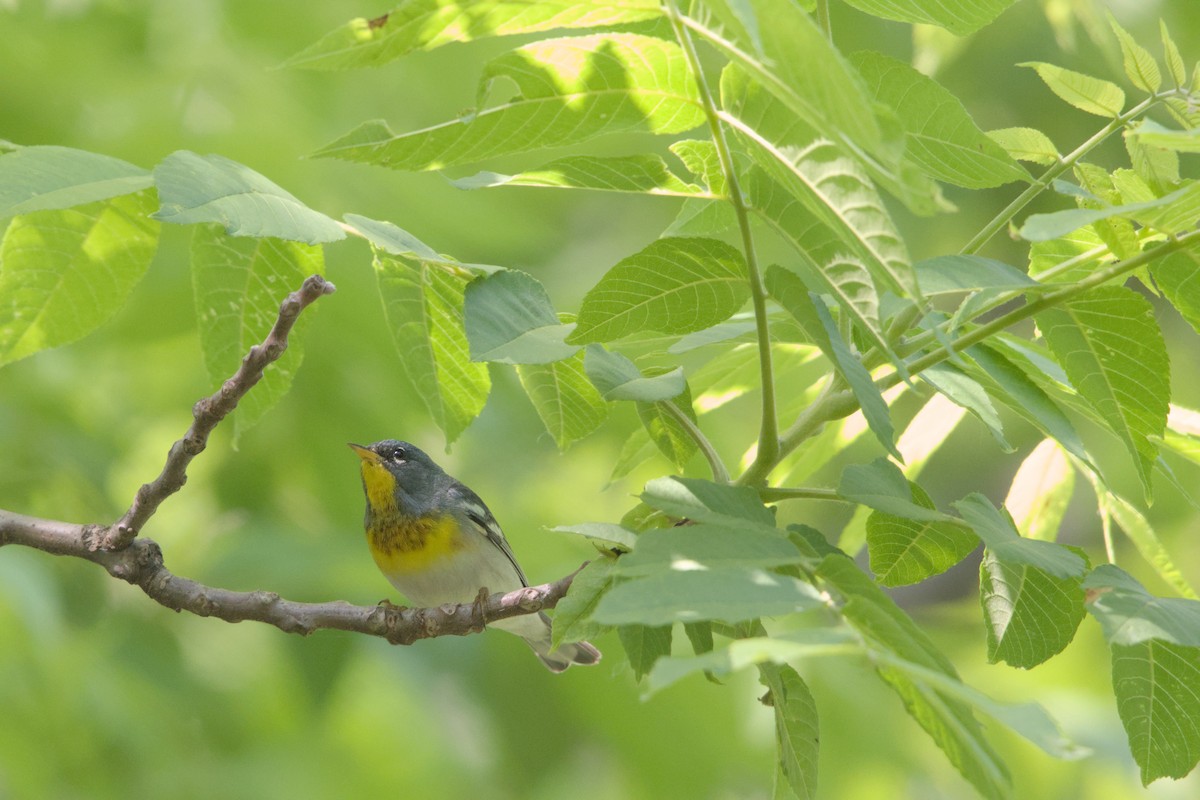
(400, 545)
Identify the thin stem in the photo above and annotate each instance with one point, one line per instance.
(719, 473)
(1041, 304)
(1064, 164)
(768, 437)
(823, 19)
(771, 494)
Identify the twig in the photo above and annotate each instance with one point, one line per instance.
(141, 564)
(207, 413)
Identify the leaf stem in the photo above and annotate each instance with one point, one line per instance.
(1173, 245)
(768, 437)
(770, 494)
(1064, 164)
(719, 473)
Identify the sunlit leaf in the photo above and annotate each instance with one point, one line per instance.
(674, 285)
(427, 24)
(568, 91)
(705, 546)
(64, 273)
(567, 402)
(705, 501)
(1000, 537)
(940, 135)
(1086, 93)
(960, 17)
(666, 431)
(882, 486)
(905, 551)
(1026, 144)
(1140, 66)
(238, 284)
(833, 187)
(423, 303)
(1112, 349)
(644, 173)
(1178, 275)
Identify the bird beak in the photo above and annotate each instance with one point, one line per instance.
(365, 453)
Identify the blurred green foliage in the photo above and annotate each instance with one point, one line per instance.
(105, 694)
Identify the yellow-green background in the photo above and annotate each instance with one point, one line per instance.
(105, 694)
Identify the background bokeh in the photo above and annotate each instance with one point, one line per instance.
(105, 694)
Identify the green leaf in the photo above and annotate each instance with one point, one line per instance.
(1172, 213)
(423, 303)
(905, 551)
(793, 60)
(1178, 276)
(797, 733)
(824, 265)
(831, 186)
(644, 645)
(1157, 166)
(1130, 615)
(238, 284)
(1171, 54)
(427, 24)
(1156, 667)
(394, 239)
(194, 188)
(64, 273)
(966, 273)
(1029, 720)
(1030, 615)
(728, 595)
(509, 319)
(1000, 536)
(667, 433)
(568, 91)
(674, 285)
(882, 486)
(960, 17)
(618, 378)
(1139, 531)
(1086, 93)
(1149, 132)
(809, 310)
(940, 135)
(742, 653)
(572, 615)
(708, 546)
(644, 173)
(897, 641)
(1139, 65)
(963, 391)
(705, 501)
(607, 535)
(1026, 144)
(1155, 684)
(566, 401)
(47, 177)
(700, 635)
(1113, 352)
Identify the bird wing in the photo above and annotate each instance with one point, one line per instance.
(479, 514)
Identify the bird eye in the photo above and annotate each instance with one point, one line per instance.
(398, 455)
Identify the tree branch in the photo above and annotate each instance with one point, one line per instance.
(140, 561)
(207, 413)
(141, 564)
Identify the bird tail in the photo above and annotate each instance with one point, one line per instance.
(535, 630)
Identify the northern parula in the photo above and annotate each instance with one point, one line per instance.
(437, 543)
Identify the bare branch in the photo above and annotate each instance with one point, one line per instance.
(141, 563)
(207, 413)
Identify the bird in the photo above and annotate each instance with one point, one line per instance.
(437, 542)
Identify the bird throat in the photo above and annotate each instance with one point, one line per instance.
(399, 541)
